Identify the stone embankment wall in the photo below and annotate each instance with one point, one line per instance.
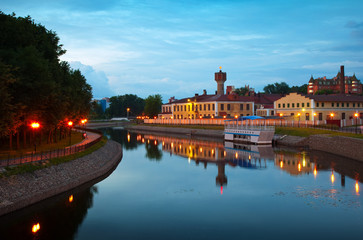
(343, 146)
(20, 191)
(179, 131)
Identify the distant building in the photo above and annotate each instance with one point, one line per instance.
(218, 104)
(350, 85)
(105, 103)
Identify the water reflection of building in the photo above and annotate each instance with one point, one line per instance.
(293, 163)
(206, 152)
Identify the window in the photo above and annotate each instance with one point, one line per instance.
(200, 107)
(292, 114)
(188, 108)
(241, 107)
(343, 116)
(353, 104)
(279, 105)
(192, 107)
(332, 104)
(337, 104)
(283, 105)
(222, 106)
(272, 113)
(213, 107)
(293, 105)
(228, 106)
(307, 116)
(342, 104)
(320, 116)
(322, 104)
(288, 105)
(317, 104)
(347, 104)
(205, 107)
(177, 107)
(208, 107)
(174, 108)
(303, 105)
(298, 105)
(247, 107)
(307, 104)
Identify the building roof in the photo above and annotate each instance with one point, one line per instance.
(334, 98)
(264, 99)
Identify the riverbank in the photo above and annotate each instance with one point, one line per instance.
(19, 191)
(338, 145)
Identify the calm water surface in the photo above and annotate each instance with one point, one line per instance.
(181, 188)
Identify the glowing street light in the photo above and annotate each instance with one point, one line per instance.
(128, 111)
(35, 228)
(299, 114)
(356, 122)
(70, 124)
(332, 116)
(35, 126)
(314, 114)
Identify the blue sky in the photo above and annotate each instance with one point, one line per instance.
(173, 48)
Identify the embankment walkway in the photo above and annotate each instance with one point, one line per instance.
(19, 191)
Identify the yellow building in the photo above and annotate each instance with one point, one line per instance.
(218, 104)
(296, 106)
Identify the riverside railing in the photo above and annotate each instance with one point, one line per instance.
(44, 156)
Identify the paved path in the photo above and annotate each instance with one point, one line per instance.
(91, 136)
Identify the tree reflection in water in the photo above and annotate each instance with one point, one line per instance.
(58, 219)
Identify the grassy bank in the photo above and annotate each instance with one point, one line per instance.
(31, 167)
(44, 146)
(306, 132)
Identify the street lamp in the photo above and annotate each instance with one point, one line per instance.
(298, 114)
(70, 124)
(332, 116)
(35, 126)
(128, 110)
(314, 114)
(356, 122)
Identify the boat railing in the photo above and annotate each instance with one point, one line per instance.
(244, 126)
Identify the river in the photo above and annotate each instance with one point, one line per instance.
(184, 188)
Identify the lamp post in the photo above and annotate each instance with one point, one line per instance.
(70, 124)
(35, 126)
(128, 110)
(299, 114)
(356, 122)
(281, 115)
(314, 114)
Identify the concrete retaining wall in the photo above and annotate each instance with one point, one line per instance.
(343, 146)
(23, 190)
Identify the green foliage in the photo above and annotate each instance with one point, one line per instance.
(153, 105)
(119, 104)
(300, 89)
(284, 88)
(241, 91)
(96, 111)
(280, 88)
(35, 84)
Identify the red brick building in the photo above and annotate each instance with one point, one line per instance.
(351, 85)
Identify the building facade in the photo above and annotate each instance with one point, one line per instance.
(350, 85)
(295, 106)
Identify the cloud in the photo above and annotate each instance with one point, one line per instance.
(97, 79)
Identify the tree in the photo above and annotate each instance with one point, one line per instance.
(153, 105)
(35, 84)
(241, 91)
(119, 104)
(280, 88)
(300, 89)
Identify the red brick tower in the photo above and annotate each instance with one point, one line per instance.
(220, 78)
